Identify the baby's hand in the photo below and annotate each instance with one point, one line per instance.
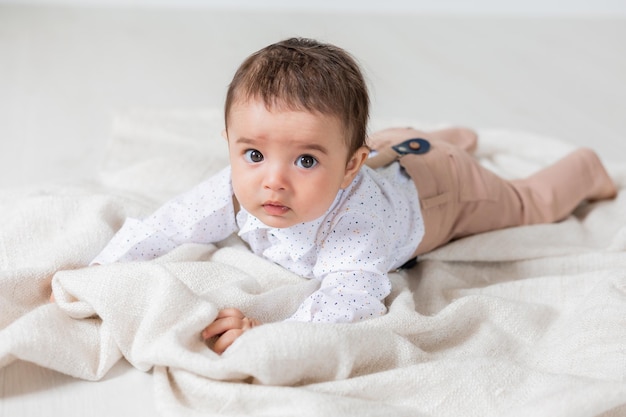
(227, 327)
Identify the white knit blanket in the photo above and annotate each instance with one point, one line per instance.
(527, 321)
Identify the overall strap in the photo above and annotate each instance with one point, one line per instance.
(390, 154)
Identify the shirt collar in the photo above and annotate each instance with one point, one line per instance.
(297, 239)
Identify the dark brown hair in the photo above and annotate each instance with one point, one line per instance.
(305, 75)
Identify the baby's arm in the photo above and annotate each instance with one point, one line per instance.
(352, 264)
(203, 215)
(346, 297)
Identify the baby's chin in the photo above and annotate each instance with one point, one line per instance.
(288, 219)
(279, 222)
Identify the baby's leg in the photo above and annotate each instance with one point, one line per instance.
(554, 192)
(461, 198)
(464, 138)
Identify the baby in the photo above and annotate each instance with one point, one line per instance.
(300, 192)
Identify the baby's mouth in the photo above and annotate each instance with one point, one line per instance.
(274, 208)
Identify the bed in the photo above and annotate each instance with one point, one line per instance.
(527, 321)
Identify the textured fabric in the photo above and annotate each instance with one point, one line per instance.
(527, 321)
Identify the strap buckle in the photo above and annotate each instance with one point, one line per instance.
(415, 146)
(387, 155)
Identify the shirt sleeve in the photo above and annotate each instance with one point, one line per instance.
(352, 265)
(338, 302)
(203, 215)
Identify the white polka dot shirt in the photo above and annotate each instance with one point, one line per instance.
(372, 227)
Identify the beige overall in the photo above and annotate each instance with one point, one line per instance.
(459, 197)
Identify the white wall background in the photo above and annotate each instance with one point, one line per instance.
(64, 72)
(612, 8)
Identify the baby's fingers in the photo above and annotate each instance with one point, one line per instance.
(225, 340)
(222, 325)
(230, 312)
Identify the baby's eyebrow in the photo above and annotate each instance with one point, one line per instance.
(315, 147)
(245, 140)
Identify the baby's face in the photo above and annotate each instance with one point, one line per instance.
(287, 166)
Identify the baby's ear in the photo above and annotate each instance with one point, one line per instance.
(354, 164)
(225, 134)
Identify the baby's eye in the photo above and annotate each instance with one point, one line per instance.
(252, 155)
(306, 161)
